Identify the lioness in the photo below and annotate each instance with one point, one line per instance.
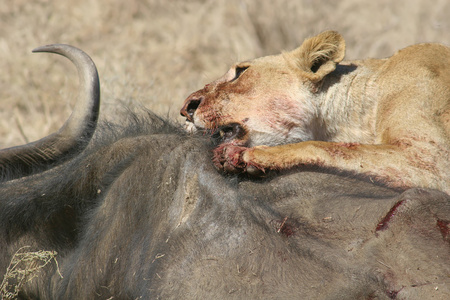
(388, 119)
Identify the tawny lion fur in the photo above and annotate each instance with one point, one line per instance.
(388, 119)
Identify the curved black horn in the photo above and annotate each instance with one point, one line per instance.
(72, 137)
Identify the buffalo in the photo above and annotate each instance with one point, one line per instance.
(137, 210)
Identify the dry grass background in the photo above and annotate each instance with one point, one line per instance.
(156, 52)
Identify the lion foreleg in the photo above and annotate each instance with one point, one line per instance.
(391, 164)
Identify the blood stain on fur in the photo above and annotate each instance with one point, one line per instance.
(392, 294)
(383, 225)
(284, 227)
(444, 228)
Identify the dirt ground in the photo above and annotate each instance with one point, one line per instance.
(156, 52)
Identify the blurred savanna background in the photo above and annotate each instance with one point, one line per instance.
(155, 53)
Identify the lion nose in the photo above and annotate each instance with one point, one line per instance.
(190, 106)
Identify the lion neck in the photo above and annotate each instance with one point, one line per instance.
(346, 106)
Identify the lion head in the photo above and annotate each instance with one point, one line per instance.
(269, 100)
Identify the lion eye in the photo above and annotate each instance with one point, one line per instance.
(239, 71)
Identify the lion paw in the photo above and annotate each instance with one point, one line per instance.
(236, 159)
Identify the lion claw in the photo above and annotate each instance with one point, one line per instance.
(231, 159)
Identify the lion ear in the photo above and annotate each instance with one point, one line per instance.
(318, 56)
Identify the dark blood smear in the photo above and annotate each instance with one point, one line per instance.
(287, 230)
(383, 225)
(444, 227)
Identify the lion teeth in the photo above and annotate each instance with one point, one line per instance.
(222, 133)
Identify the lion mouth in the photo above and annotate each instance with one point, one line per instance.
(228, 133)
(233, 132)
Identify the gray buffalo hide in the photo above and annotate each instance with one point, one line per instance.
(143, 214)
